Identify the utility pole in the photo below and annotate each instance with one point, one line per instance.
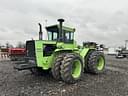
(126, 42)
(46, 22)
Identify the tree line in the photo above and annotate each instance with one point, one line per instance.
(9, 45)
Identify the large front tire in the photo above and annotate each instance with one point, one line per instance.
(71, 68)
(56, 66)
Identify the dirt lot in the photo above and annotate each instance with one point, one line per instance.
(113, 82)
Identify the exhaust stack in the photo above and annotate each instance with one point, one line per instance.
(61, 33)
(40, 32)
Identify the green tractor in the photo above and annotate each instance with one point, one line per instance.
(61, 55)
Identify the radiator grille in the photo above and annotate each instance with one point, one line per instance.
(30, 46)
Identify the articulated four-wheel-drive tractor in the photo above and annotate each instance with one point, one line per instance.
(61, 56)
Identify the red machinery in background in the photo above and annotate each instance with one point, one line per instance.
(4, 53)
(16, 53)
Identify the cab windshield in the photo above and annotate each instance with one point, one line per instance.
(68, 36)
(52, 36)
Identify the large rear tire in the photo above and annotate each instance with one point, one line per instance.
(86, 69)
(95, 62)
(56, 66)
(71, 68)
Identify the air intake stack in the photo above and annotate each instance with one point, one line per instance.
(61, 33)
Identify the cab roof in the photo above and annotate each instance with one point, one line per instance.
(56, 27)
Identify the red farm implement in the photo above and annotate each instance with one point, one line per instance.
(16, 53)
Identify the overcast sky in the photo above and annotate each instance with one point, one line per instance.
(103, 21)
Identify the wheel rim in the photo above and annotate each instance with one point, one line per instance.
(100, 64)
(76, 69)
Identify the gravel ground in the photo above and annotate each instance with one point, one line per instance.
(113, 82)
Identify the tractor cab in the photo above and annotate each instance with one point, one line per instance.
(60, 33)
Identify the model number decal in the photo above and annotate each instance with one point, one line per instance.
(39, 50)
